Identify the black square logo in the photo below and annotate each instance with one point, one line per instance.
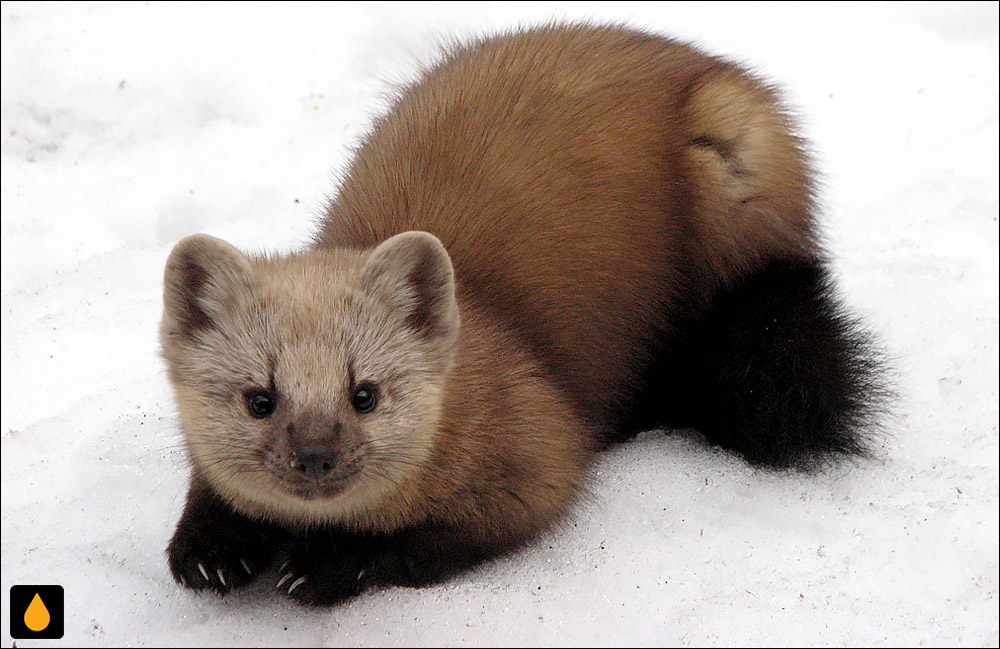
(36, 612)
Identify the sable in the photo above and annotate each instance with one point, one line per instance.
(555, 238)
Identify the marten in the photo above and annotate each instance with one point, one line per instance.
(554, 239)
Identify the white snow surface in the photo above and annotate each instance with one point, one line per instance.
(126, 126)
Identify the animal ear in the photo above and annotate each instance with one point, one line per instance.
(412, 271)
(203, 279)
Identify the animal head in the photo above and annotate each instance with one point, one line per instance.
(310, 386)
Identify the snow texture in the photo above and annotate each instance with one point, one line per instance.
(126, 126)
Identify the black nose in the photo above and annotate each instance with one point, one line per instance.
(315, 461)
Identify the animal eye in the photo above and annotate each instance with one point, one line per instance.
(260, 403)
(364, 399)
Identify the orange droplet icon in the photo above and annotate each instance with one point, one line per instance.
(37, 616)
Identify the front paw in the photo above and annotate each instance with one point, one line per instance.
(219, 552)
(324, 570)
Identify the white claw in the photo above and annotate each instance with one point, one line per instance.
(283, 580)
(204, 574)
(284, 565)
(218, 571)
(360, 575)
(246, 567)
(298, 582)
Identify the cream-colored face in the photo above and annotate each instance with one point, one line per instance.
(310, 387)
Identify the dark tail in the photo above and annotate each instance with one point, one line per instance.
(777, 372)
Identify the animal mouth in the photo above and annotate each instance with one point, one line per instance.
(314, 490)
(306, 487)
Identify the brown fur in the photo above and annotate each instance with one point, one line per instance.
(586, 177)
(586, 188)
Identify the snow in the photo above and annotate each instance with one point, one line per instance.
(126, 126)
